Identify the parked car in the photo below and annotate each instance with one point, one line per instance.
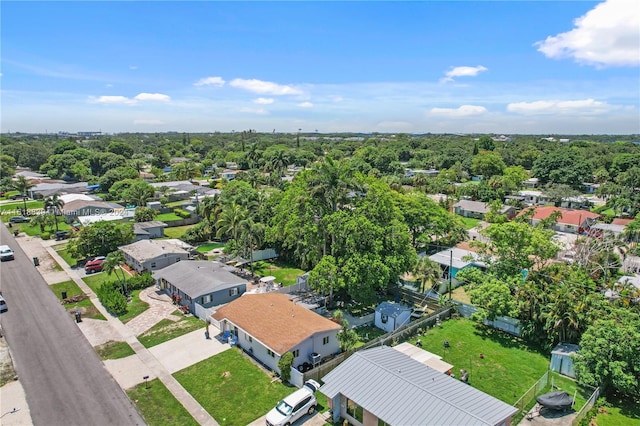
(62, 235)
(18, 197)
(19, 219)
(94, 265)
(3, 304)
(6, 253)
(296, 405)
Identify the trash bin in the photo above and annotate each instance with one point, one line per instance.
(78, 317)
(64, 294)
(36, 262)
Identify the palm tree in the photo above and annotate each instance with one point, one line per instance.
(209, 210)
(427, 272)
(54, 204)
(279, 161)
(140, 193)
(42, 220)
(23, 186)
(113, 263)
(253, 236)
(228, 222)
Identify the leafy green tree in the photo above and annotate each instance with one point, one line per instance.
(64, 146)
(161, 158)
(114, 175)
(7, 166)
(325, 278)
(100, 238)
(608, 355)
(112, 264)
(487, 164)
(112, 298)
(138, 193)
(427, 273)
(347, 337)
(120, 148)
(144, 214)
(494, 299)
(42, 221)
(563, 166)
(487, 143)
(229, 221)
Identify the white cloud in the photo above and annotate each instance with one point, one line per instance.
(461, 111)
(264, 87)
(148, 122)
(305, 105)
(259, 111)
(549, 107)
(133, 67)
(607, 35)
(210, 81)
(152, 97)
(112, 100)
(263, 101)
(462, 72)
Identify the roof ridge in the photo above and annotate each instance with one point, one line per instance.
(418, 386)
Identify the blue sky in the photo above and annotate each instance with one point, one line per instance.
(545, 67)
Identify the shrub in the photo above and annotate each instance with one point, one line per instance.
(182, 213)
(284, 364)
(45, 235)
(139, 282)
(112, 299)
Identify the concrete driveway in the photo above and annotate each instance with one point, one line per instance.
(318, 419)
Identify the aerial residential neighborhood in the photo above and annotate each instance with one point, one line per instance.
(320, 213)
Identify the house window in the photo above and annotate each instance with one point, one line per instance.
(153, 265)
(296, 353)
(382, 423)
(248, 338)
(177, 259)
(384, 318)
(354, 410)
(233, 291)
(206, 298)
(271, 353)
(325, 340)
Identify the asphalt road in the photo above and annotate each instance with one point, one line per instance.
(64, 379)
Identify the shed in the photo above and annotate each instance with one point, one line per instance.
(389, 316)
(561, 359)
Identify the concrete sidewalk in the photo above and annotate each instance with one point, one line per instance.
(146, 363)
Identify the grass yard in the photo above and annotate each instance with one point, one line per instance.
(166, 330)
(619, 412)
(461, 295)
(508, 367)
(114, 350)
(15, 208)
(469, 222)
(231, 388)
(158, 406)
(176, 231)
(64, 253)
(204, 248)
(134, 308)
(284, 273)
(72, 289)
(368, 333)
(95, 280)
(164, 217)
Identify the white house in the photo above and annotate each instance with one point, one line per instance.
(150, 255)
(268, 325)
(389, 316)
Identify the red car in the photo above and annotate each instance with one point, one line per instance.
(94, 265)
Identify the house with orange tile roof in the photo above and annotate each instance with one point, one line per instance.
(268, 325)
(570, 221)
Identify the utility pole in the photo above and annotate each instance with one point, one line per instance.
(450, 271)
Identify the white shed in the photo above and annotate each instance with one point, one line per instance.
(561, 359)
(389, 316)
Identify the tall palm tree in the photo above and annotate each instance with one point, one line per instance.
(228, 222)
(139, 193)
(209, 210)
(253, 236)
(23, 186)
(427, 272)
(54, 204)
(112, 264)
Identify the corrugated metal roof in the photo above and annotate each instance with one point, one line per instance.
(460, 258)
(401, 391)
(391, 309)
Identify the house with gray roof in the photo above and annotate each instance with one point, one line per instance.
(148, 230)
(201, 285)
(385, 386)
(81, 207)
(150, 255)
(454, 259)
(478, 209)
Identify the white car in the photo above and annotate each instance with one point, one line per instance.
(6, 253)
(296, 405)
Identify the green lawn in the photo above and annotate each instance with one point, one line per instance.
(225, 384)
(368, 333)
(167, 216)
(166, 330)
(64, 253)
(203, 248)
(619, 412)
(158, 406)
(176, 231)
(470, 223)
(134, 308)
(89, 310)
(508, 367)
(114, 350)
(284, 273)
(95, 280)
(15, 208)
